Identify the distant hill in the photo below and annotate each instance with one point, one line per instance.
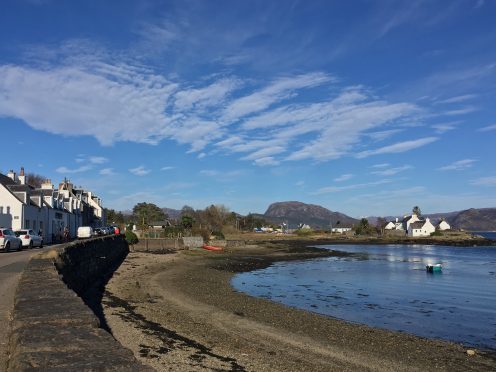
(473, 219)
(482, 219)
(172, 213)
(294, 213)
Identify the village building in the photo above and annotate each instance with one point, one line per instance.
(443, 226)
(421, 228)
(47, 210)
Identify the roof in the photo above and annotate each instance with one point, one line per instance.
(7, 181)
(417, 224)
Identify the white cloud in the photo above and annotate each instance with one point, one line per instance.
(459, 165)
(98, 159)
(488, 128)
(392, 171)
(81, 169)
(382, 165)
(398, 147)
(484, 181)
(332, 189)
(344, 177)
(166, 168)
(445, 127)
(107, 172)
(140, 171)
(267, 161)
(457, 99)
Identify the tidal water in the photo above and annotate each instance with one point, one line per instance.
(388, 287)
(486, 234)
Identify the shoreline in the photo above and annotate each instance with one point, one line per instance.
(179, 312)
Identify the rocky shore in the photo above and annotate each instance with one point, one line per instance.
(178, 312)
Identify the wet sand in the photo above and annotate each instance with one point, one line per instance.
(178, 312)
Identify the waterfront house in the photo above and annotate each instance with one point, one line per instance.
(46, 209)
(421, 228)
(443, 225)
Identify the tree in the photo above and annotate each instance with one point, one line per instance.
(416, 210)
(114, 216)
(380, 225)
(187, 221)
(35, 180)
(363, 228)
(144, 213)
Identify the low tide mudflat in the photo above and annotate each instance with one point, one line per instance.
(179, 312)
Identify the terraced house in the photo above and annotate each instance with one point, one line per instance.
(47, 209)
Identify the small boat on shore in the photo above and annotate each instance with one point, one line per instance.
(435, 268)
(212, 248)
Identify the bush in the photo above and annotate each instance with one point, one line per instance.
(218, 235)
(131, 237)
(437, 233)
(304, 232)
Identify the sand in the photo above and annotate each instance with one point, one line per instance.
(178, 312)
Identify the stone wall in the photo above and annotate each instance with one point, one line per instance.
(163, 245)
(52, 327)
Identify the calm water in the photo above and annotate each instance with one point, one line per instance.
(486, 234)
(388, 287)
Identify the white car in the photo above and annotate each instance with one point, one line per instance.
(8, 240)
(29, 238)
(84, 232)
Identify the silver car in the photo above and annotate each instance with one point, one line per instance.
(29, 238)
(8, 240)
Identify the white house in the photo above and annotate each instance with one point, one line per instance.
(341, 229)
(443, 225)
(46, 210)
(394, 225)
(421, 228)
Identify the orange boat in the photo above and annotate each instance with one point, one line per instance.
(212, 248)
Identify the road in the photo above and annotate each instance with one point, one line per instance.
(11, 266)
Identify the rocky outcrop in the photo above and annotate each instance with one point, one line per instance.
(53, 328)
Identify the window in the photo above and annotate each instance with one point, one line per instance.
(26, 224)
(8, 210)
(1, 210)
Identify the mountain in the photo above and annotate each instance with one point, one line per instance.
(172, 213)
(294, 213)
(482, 219)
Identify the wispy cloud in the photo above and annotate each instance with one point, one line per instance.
(398, 147)
(459, 165)
(488, 128)
(392, 171)
(66, 170)
(457, 99)
(382, 165)
(166, 168)
(445, 127)
(107, 172)
(332, 189)
(344, 177)
(484, 181)
(140, 171)
(98, 159)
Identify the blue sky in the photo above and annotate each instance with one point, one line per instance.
(363, 107)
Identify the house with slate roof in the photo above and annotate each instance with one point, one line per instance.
(421, 228)
(46, 209)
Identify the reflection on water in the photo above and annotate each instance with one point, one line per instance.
(388, 287)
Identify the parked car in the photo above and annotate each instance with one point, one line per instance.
(84, 232)
(8, 240)
(97, 231)
(29, 238)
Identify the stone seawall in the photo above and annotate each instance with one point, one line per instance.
(53, 328)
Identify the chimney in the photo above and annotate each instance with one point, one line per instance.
(396, 219)
(22, 177)
(47, 185)
(12, 175)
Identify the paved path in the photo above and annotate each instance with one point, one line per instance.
(11, 266)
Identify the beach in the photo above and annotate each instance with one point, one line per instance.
(178, 312)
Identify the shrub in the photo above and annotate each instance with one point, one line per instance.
(218, 235)
(304, 232)
(437, 233)
(131, 237)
